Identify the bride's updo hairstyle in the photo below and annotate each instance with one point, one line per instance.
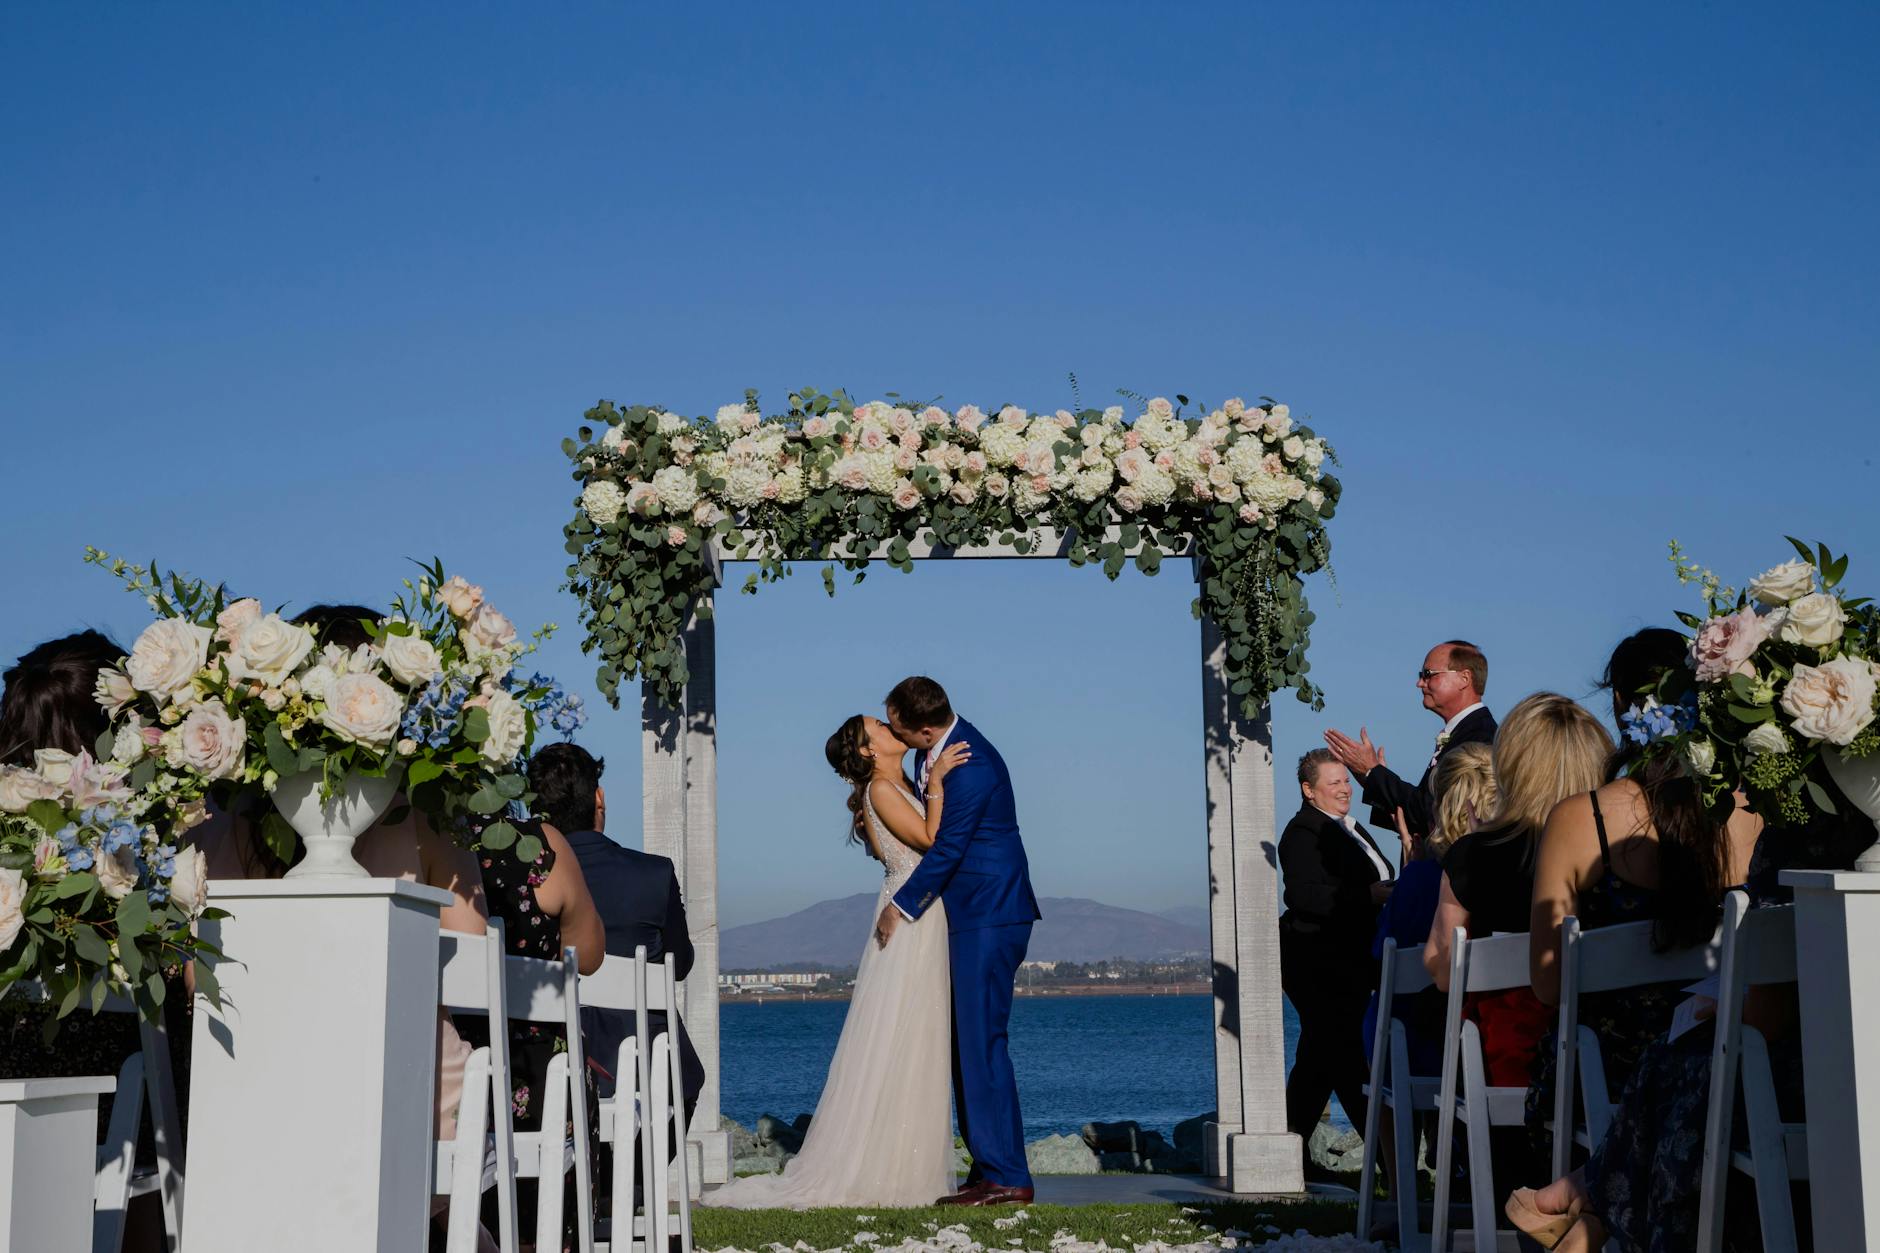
(844, 751)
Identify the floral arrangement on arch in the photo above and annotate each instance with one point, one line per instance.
(836, 481)
(1784, 682)
(226, 696)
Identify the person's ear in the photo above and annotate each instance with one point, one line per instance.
(600, 808)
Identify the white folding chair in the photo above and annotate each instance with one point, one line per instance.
(1605, 959)
(1400, 973)
(1758, 948)
(476, 977)
(1491, 964)
(145, 1083)
(648, 1103)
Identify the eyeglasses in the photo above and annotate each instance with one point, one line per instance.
(1424, 676)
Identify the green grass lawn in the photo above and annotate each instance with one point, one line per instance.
(1119, 1226)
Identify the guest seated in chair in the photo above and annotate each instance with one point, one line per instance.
(638, 897)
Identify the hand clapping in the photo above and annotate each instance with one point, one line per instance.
(1359, 756)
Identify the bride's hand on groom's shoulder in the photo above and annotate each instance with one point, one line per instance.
(950, 756)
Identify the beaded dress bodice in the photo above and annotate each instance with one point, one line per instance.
(897, 859)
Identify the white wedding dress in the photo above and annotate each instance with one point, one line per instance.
(883, 1130)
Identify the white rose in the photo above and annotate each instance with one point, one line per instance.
(1294, 448)
(1832, 702)
(1702, 756)
(117, 872)
(189, 886)
(210, 742)
(236, 618)
(20, 787)
(127, 745)
(1160, 408)
(12, 906)
(1766, 738)
(269, 651)
(509, 729)
(315, 682)
(363, 709)
(1816, 620)
(167, 656)
(411, 658)
(1783, 583)
(54, 765)
(112, 690)
(602, 501)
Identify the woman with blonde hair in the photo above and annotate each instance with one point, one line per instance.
(1547, 749)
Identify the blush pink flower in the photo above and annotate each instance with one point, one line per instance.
(1132, 439)
(815, 428)
(969, 418)
(675, 535)
(1724, 645)
(874, 439)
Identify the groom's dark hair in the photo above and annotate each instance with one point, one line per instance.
(563, 778)
(920, 703)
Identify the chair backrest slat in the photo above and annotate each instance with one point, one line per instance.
(533, 988)
(1611, 958)
(611, 987)
(1411, 976)
(463, 972)
(1496, 962)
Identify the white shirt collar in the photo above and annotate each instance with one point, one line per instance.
(1449, 728)
(1350, 825)
(927, 757)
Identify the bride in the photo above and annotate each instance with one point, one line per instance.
(883, 1130)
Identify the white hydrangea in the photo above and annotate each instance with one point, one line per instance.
(1270, 492)
(716, 464)
(1027, 497)
(603, 500)
(612, 438)
(1002, 444)
(1156, 485)
(730, 417)
(881, 473)
(791, 486)
(1243, 457)
(671, 424)
(744, 486)
(1188, 468)
(1092, 483)
(1158, 432)
(677, 488)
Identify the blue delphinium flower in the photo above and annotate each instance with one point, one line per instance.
(1651, 721)
(555, 706)
(435, 714)
(159, 894)
(119, 835)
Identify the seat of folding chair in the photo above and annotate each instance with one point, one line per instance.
(1506, 1106)
(1423, 1092)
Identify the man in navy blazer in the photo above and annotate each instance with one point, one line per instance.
(977, 867)
(636, 893)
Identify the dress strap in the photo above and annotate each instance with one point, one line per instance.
(1599, 824)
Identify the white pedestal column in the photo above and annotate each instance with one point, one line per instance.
(48, 1161)
(312, 1101)
(1837, 932)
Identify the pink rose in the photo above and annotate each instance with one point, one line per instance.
(232, 621)
(910, 438)
(1012, 415)
(460, 597)
(996, 486)
(1128, 498)
(905, 459)
(902, 421)
(1164, 459)
(975, 462)
(675, 535)
(1132, 440)
(969, 418)
(906, 496)
(815, 428)
(750, 421)
(933, 415)
(1040, 482)
(770, 490)
(1249, 513)
(848, 442)
(1207, 456)
(874, 439)
(1064, 419)
(1724, 645)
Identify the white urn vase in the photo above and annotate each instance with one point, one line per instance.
(328, 828)
(1859, 779)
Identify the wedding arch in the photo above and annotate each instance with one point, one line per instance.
(667, 503)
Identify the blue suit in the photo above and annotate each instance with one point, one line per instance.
(977, 866)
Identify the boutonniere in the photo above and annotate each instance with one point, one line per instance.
(1442, 740)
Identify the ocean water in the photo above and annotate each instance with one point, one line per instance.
(1079, 1058)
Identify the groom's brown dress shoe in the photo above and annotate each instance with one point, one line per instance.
(967, 1195)
(993, 1194)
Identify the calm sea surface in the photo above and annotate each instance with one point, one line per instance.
(1078, 1058)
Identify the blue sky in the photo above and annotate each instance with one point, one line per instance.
(291, 293)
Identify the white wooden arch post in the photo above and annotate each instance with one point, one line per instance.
(1248, 1145)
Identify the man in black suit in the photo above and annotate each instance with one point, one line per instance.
(636, 893)
(1336, 879)
(1452, 680)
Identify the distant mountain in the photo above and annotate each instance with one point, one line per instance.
(832, 933)
(1195, 916)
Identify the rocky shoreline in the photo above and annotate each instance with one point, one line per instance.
(1097, 1148)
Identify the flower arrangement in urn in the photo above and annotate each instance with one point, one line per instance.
(841, 482)
(238, 698)
(1784, 684)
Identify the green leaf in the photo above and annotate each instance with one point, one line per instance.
(476, 725)
(281, 757)
(1819, 795)
(487, 800)
(279, 836)
(422, 771)
(133, 918)
(528, 848)
(1752, 713)
(74, 885)
(512, 785)
(50, 816)
(498, 835)
(1807, 553)
(91, 946)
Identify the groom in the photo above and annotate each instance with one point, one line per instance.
(977, 865)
